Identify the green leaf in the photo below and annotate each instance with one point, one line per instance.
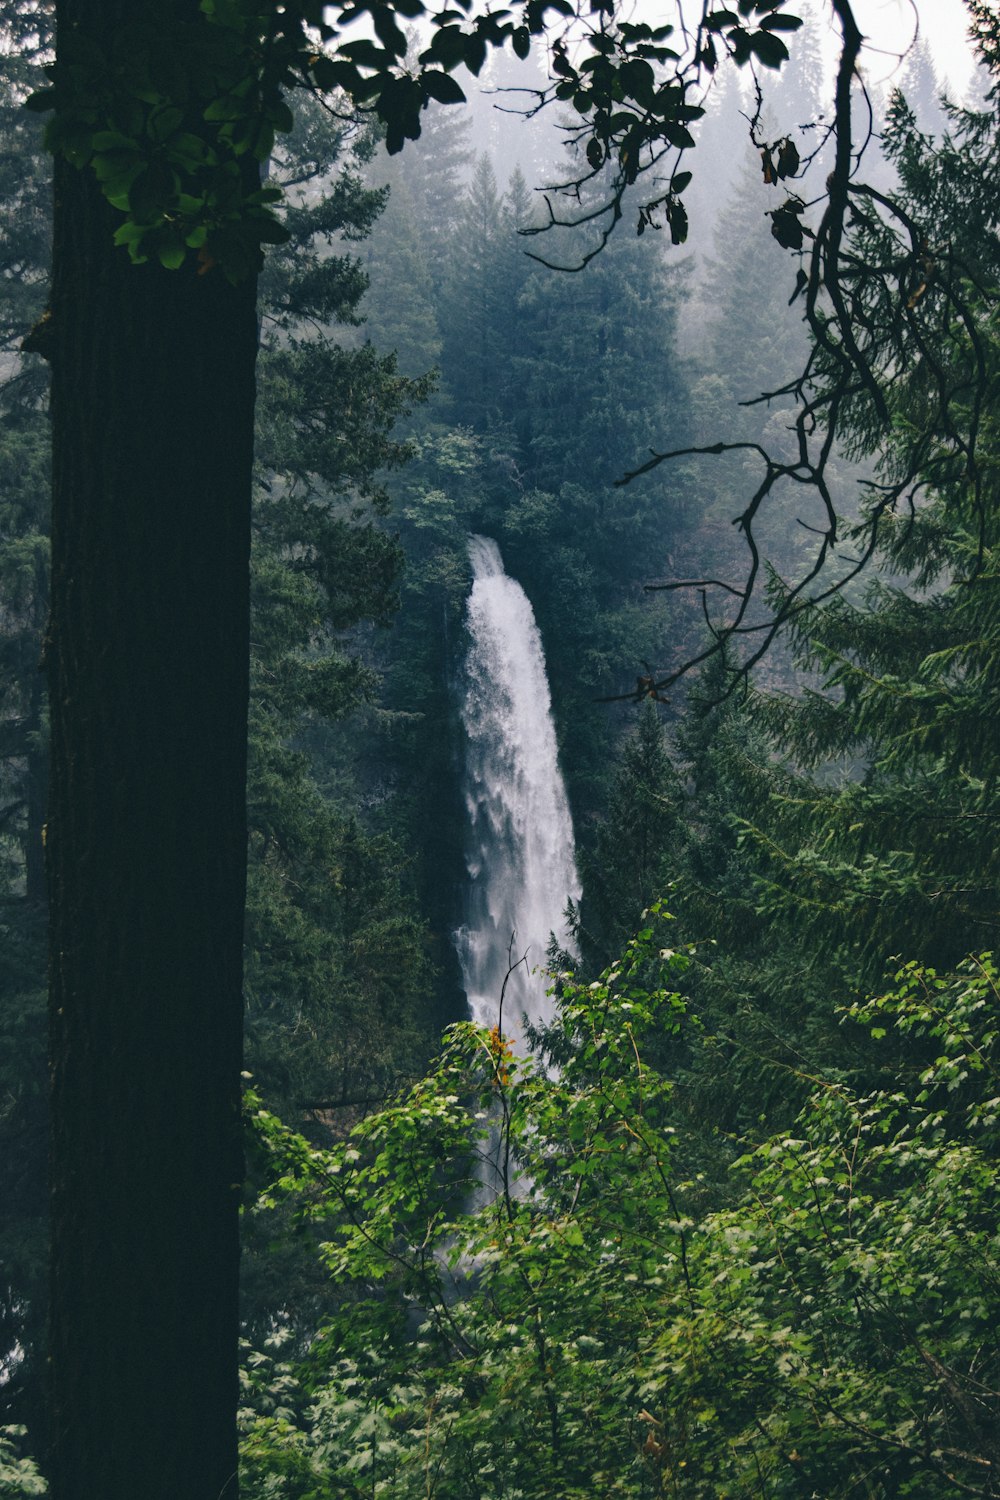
(269, 231)
(677, 135)
(263, 142)
(188, 204)
(678, 221)
(447, 47)
(42, 100)
(443, 88)
(719, 20)
(327, 74)
(114, 140)
(281, 117)
(172, 255)
(227, 108)
(769, 48)
(474, 53)
(638, 81)
(387, 31)
(129, 233)
(163, 122)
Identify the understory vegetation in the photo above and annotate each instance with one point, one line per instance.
(596, 1326)
(730, 1228)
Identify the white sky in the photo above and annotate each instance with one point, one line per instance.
(890, 24)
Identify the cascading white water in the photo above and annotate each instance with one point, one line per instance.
(519, 848)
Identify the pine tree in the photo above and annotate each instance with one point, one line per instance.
(868, 830)
(436, 170)
(627, 867)
(508, 89)
(592, 364)
(399, 308)
(472, 309)
(796, 100)
(337, 968)
(430, 183)
(901, 856)
(24, 485)
(920, 87)
(755, 340)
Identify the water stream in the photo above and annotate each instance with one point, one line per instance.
(519, 844)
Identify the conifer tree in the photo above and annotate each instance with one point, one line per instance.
(435, 172)
(591, 363)
(24, 251)
(864, 825)
(399, 308)
(428, 189)
(470, 312)
(628, 866)
(901, 856)
(337, 970)
(796, 101)
(24, 484)
(921, 88)
(755, 340)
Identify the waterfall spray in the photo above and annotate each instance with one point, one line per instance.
(519, 845)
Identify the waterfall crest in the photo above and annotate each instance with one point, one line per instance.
(519, 844)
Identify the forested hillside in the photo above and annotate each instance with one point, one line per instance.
(725, 1222)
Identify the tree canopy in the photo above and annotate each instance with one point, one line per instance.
(747, 1318)
(163, 113)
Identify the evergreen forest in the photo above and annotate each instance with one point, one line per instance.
(717, 1216)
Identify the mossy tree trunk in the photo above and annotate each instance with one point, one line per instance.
(153, 386)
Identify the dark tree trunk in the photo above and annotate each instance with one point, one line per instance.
(152, 409)
(36, 791)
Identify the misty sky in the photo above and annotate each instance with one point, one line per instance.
(890, 25)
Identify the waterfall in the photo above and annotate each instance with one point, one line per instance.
(519, 845)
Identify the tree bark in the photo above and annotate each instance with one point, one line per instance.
(152, 408)
(37, 771)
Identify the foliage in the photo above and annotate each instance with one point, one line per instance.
(19, 1477)
(336, 964)
(405, 1403)
(276, 1458)
(881, 838)
(24, 253)
(851, 816)
(575, 1328)
(629, 862)
(24, 593)
(535, 1292)
(549, 384)
(850, 1339)
(172, 116)
(899, 854)
(893, 287)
